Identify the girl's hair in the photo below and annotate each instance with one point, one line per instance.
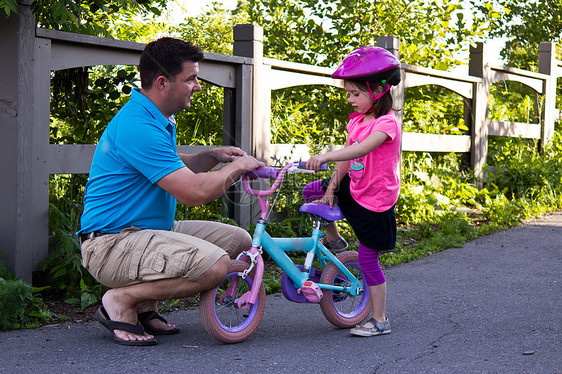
(166, 56)
(381, 106)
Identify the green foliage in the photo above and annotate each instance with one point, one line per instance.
(513, 101)
(520, 169)
(63, 270)
(84, 100)
(527, 23)
(20, 304)
(311, 115)
(433, 110)
(9, 6)
(92, 17)
(321, 32)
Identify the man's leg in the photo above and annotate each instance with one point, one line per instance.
(121, 303)
(144, 266)
(230, 238)
(157, 324)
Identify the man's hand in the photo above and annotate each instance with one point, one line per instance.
(247, 163)
(227, 154)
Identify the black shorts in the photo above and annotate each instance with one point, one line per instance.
(375, 230)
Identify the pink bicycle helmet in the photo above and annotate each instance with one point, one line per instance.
(370, 64)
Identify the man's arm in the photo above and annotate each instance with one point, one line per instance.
(206, 160)
(194, 189)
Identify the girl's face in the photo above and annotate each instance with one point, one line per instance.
(359, 99)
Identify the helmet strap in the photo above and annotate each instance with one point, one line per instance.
(375, 98)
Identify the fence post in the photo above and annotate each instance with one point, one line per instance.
(24, 122)
(392, 44)
(478, 67)
(547, 65)
(254, 105)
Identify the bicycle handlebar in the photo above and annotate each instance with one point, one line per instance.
(267, 172)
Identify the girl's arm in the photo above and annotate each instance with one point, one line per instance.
(349, 152)
(339, 172)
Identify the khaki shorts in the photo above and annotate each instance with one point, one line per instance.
(135, 255)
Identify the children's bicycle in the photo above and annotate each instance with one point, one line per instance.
(232, 311)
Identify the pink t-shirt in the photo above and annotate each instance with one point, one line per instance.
(375, 178)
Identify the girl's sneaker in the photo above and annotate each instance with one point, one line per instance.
(336, 246)
(377, 329)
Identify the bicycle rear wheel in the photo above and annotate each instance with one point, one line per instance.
(220, 315)
(340, 308)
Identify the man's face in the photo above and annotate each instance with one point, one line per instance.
(181, 89)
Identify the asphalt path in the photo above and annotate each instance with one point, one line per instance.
(493, 306)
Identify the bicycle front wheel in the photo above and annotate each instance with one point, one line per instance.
(340, 308)
(220, 315)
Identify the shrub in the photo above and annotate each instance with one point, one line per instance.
(20, 306)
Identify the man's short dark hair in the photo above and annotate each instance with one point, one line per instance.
(165, 56)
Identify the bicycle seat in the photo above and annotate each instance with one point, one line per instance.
(323, 210)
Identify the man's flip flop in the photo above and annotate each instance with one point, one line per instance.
(144, 317)
(103, 318)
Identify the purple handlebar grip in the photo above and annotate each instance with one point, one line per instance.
(302, 165)
(264, 172)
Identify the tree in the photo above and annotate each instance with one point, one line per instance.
(525, 24)
(322, 32)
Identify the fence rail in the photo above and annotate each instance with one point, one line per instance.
(247, 79)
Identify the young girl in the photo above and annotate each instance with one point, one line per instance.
(365, 182)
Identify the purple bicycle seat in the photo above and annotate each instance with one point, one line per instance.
(323, 210)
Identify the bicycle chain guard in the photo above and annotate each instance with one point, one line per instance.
(288, 287)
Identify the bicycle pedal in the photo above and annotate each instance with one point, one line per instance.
(311, 291)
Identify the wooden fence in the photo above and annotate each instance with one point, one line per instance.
(248, 80)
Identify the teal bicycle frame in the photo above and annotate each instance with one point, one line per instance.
(277, 248)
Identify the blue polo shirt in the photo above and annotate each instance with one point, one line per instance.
(135, 151)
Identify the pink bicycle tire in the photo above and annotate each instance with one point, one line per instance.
(342, 309)
(222, 319)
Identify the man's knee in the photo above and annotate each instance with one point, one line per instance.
(245, 244)
(218, 272)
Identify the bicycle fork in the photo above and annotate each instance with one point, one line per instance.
(256, 261)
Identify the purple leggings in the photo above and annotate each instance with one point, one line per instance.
(368, 258)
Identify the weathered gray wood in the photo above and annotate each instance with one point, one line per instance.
(22, 186)
(10, 146)
(514, 129)
(41, 105)
(78, 39)
(70, 158)
(528, 78)
(478, 67)
(548, 65)
(282, 79)
(416, 142)
(248, 42)
(463, 88)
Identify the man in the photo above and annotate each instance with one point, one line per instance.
(130, 241)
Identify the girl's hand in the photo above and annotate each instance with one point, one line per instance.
(328, 198)
(314, 162)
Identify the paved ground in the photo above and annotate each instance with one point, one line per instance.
(494, 306)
